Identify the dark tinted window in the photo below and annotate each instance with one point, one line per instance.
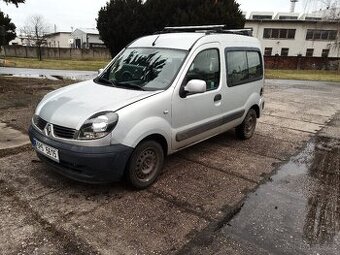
(291, 33)
(237, 67)
(206, 66)
(283, 33)
(254, 64)
(317, 34)
(332, 35)
(278, 33)
(266, 33)
(325, 53)
(243, 66)
(262, 17)
(309, 52)
(268, 51)
(275, 33)
(284, 51)
(309, 35)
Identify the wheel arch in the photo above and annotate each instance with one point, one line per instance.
(257, 110)
(158, 138)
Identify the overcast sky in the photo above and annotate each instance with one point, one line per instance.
(82, 13)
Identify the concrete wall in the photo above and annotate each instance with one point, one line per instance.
(301, 63)
(299, 45)
(57, 53)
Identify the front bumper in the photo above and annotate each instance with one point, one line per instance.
(103, 164)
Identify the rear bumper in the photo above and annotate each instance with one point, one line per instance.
(86, 164)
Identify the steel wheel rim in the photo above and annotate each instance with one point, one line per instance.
(250, 124)
(146, 166)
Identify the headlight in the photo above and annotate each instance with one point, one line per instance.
(35, 119)
(98, 126)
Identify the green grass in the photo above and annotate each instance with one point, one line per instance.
(85, 65)
(94, 65)
(309, 75)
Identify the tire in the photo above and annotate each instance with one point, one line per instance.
(247, 128)
(146, 163)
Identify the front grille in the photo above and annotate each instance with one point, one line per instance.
(40, 123)
(64, 132)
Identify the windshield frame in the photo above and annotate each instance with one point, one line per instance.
(108, 67)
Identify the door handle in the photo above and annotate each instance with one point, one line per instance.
(217, 98)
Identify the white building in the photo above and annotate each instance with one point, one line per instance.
(288, 34)
(87, 38)
(59, 40)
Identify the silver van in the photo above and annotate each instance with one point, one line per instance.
(159, 95)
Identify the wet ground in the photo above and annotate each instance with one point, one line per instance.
(47, 73)
(297, 211)
(218, 197)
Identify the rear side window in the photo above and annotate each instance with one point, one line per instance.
(243, 66)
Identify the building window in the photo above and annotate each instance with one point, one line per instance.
(279, 33)
(262, 17)
(284, 52)
(313, 18)
(317, 34)
(325, 53)
(309, 52)
(288, 17)
(268, 51)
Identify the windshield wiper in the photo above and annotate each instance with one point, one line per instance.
(129, 86)
(102, 79)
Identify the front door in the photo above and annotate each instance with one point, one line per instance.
(195, 117)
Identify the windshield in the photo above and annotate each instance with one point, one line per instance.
(144, 68)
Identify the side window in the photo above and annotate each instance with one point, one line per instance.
(243, 66)
(206, 66)
(254, 64)
(237, 67)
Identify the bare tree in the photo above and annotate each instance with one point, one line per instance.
(35, 32)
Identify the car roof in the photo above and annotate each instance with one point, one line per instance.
(185, 41)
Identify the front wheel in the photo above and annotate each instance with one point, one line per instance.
(145, 164)
(247, 128)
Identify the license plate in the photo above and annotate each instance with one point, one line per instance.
(46, 150)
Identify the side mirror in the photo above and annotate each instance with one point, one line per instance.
(195, 87)
(100, 71)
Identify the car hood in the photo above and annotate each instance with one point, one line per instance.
(71, 106)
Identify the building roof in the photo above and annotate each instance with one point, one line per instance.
(57, 33)
(91, 31)
(296, 21)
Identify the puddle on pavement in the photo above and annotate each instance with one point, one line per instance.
(51, 77)
(298, 212)
(32, 76)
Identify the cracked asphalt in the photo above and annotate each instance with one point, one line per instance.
(217, 197)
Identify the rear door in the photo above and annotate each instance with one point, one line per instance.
(195, 117)
(244, 70)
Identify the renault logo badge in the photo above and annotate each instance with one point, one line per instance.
(48, 130)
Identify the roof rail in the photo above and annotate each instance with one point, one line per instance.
(209, 29)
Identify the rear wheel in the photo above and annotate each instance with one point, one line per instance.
(145, 164)
(247, 128)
